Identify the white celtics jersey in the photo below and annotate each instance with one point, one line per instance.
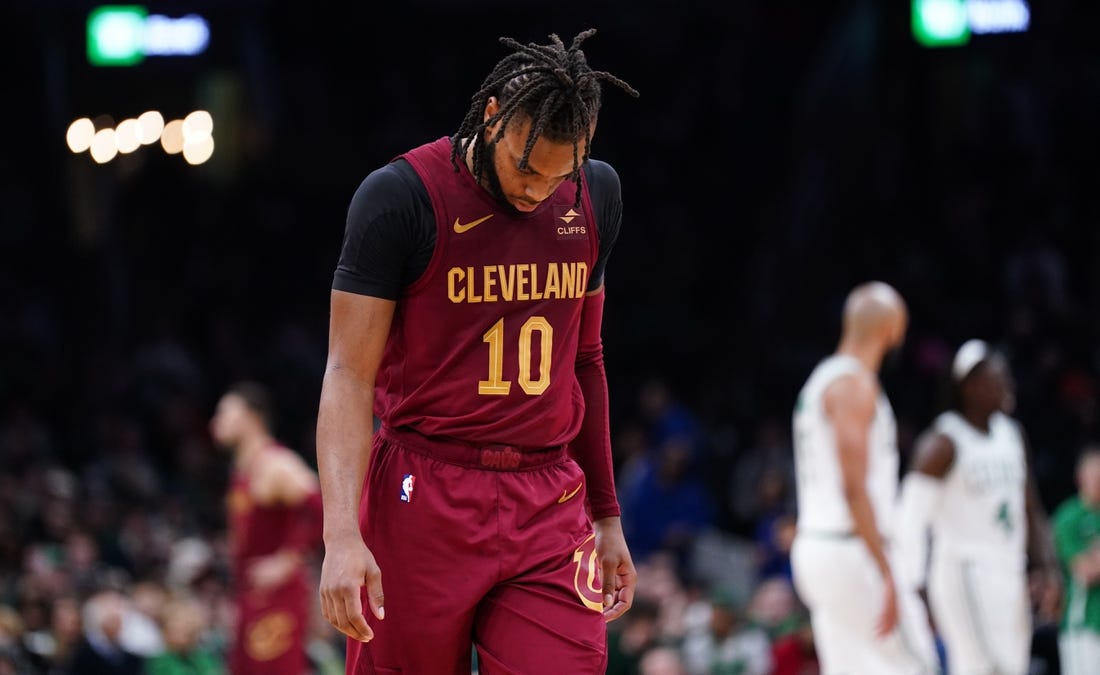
(822, 508)
(982, 509)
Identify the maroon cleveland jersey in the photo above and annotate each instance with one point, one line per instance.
(483, 345)
(255, 530)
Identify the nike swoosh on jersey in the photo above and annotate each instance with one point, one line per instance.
(566, 496)
(460, 228)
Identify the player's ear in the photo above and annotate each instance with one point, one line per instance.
(896, 333)
(492, 107)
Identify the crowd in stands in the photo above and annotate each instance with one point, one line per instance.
(114, 562)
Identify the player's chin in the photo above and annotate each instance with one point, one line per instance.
(523, 206)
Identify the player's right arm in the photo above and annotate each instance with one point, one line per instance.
(933, 456)
(850, 405)
(389, 225)
(358, 328)
(388, 240)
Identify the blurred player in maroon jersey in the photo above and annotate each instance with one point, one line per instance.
(274, 508)
(465, 313)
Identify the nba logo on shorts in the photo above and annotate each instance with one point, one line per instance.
(407, 487)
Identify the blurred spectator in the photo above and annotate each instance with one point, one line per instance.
(760, 485)
(141, 633)
(326, 649)
(793, 652)
(631, 451)
(13, 656)
(184, 621)
(629, 638)
(660, 583)
(774, 607)
(729, 644)
(663, 660)
(774, 538)
(666, 503)
(190, 560)
(1077, 535)
(50, 647)
(667, 417)
(101, 652)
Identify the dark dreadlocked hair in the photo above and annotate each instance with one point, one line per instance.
(551, 84)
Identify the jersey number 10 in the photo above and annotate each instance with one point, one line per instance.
(496, 385)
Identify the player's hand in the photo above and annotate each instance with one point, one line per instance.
(1050, 597)
(616, 568)
(348, 566)
(888, 620)
(272, 570)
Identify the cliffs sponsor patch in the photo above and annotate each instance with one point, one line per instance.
(572, 232)
(569, 223)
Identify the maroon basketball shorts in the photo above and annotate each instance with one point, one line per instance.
(485, 548)
(271, 629)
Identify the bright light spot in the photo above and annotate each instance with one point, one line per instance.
(186, 36)
(199, 151)
(115, 35)
(103, 146)
(172, 137)
(151, 124)
(80, 133)
(127, 136)
(998, 16)
(944, 18)
(197, 126)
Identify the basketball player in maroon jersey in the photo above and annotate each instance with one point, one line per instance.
(274, 508)
(466, 312)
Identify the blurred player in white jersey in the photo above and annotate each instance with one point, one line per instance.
(971, 488)
(846, 461)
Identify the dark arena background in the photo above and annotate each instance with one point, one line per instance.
(780, 153)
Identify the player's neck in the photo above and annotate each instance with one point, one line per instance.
(250, 447)
(469, 159)
(977, 419)
(868, 354)
(478, 177)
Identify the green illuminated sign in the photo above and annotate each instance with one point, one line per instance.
(116, 35)
(940, 23)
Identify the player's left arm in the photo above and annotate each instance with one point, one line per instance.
(286, 480)
(1040, 540)
(591, 449)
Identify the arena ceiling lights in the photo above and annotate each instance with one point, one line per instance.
(191, 136)
(948, 23)
(123, 35)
